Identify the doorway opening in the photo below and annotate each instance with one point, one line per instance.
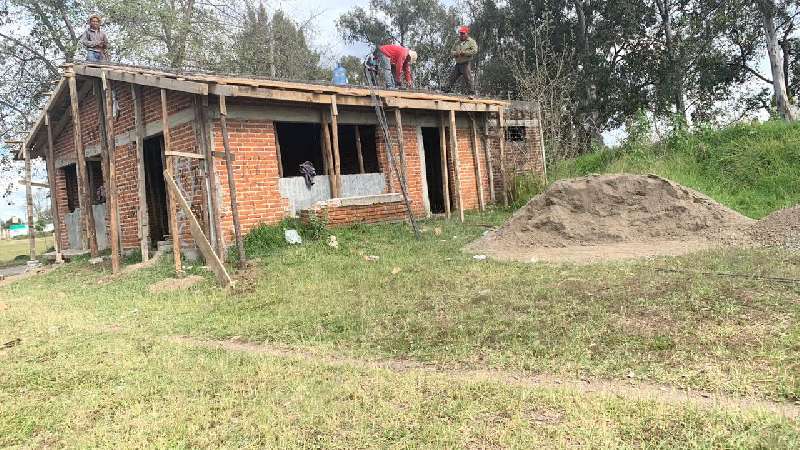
(433, 168)
(156, 189)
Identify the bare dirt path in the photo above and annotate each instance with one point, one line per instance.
(627, 390)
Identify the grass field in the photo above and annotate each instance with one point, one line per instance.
(105, 362)
(11, 249)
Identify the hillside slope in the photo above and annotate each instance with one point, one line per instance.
(754, 169)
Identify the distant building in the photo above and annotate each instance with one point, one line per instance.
(17, 229)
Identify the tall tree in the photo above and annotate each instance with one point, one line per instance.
(769, 10)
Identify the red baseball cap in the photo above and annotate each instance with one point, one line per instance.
(463, 29)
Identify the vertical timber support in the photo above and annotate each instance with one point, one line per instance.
(487, 149)
(541, 140)
(278, 151)
(327, 153)
(169, 174)
(456, 163)
(215, 210)
(26, 153)
(501, 137)
(226, 142)
(359, 150)
(84, 196)
(337, 164)
(477, 160)
(51, 178)
(142, 216)
(113, 212)
(445, 170)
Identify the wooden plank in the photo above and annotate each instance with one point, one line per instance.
(541, 141)
(174, 231)
(359, 150)
(222, 155)
(456, 163)
(487, 149)
(185, 155)
(33, 183)
(237, 227)
(212, 260)
(327, 154)
(214, 213)
(445, 169)
(84, 196)
(51, 178)
(162, 82)
(337, 167)
(112, 177)
(29, 199)
(501, 136)
(401, 141)
(477, 160)
(278, 151)
(438, 105)
(142, 216)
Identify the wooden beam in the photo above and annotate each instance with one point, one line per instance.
(359, 150)
(185, 155)
(84, 196)
(144, 79)
(34, 184)
(456, 163)
(337, 166)
(29, 199)
(401, 141)
(541, 140)
(51, 178)
(445, 169)
(222, 155)
(327, 154)
(171, 200)
(237, 227)
(487, 149)
(477, 160)
(437, 105)
(111, 186)
(501, 136)
(142, 214)
(212, 260)
(214, 214)
(278, 151)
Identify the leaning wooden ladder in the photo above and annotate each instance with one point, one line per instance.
(370, 75)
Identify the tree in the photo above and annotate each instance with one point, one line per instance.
(769, 9)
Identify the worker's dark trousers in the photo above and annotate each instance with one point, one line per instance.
(461, 70)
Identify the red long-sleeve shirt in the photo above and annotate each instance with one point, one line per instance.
(398, 55)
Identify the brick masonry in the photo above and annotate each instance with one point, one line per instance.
(255, 167)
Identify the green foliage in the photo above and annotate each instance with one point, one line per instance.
(265, 239)
(751, 168)
(524, 187)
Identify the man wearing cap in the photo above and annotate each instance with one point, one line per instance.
(463, 51)
(95, 41)
(400, 58)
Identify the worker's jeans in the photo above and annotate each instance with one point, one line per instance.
(385, 66)
(94, 56)
(461, 70)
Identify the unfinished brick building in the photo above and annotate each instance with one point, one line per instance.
(151, 121)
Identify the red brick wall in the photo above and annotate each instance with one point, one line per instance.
(255, 172)
(346, 215)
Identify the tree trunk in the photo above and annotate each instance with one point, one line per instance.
(767, 9)
(675, 77)
(590, 117)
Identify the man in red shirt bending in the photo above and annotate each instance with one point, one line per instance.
(397, 57)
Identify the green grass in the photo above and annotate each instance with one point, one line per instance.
(17, 251)
(753, 169)
(96, 365)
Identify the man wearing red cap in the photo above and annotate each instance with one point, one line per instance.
(463, 51)
(400, 59)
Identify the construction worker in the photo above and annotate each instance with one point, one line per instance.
(95, 41)
(400, 59)
(463, 51)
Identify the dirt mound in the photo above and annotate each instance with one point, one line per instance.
(779, 229)
(609, 209)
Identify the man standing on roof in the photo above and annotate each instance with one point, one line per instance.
(397, 57)
(95, 41)
(463, 51)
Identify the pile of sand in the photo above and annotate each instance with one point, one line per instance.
(615, 209)
(779, 229)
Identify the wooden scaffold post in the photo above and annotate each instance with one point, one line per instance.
(51, 178)
(169, 174)
(226, 142)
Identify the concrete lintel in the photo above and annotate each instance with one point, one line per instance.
(360, 201)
